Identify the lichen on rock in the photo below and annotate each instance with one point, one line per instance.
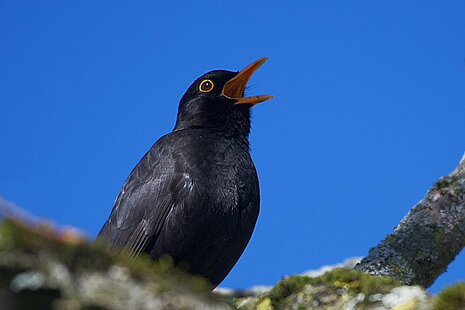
(340, 288)
(41, 268)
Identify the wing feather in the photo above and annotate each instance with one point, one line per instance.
(144, 202)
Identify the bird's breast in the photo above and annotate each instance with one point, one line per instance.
(220, 170)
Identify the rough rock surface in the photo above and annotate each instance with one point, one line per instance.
(338, 286)
(429, 237)
(348, 289)
(44, 269)
(337, 289)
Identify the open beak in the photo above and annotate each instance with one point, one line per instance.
(234, 88)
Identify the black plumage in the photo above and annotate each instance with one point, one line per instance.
(194, 195)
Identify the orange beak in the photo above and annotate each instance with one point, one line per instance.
(234, 88)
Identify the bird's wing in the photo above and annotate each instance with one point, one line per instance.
(144, 202)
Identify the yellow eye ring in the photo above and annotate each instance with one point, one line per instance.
(206, 86)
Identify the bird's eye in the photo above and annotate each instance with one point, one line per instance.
(206, 86)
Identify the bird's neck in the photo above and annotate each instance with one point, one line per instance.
(241, 133)
(234, 123)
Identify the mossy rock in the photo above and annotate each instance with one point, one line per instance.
(41, 267)
(337, 285)
(339, 289)
(451, 298)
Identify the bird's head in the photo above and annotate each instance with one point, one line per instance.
(216, 100)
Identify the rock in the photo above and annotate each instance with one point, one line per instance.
(339, 288)
(40, 269)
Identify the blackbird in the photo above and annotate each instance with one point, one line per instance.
(194, 195)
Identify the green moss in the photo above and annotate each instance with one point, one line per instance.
(79, 255)
(439, 236)
(355, 281)
(358, 282)
(443, 183)
(451, 298)
(450, 182)
(285, 288)
(420, 255)
(398, 270)
(389, 238)
(265, 304)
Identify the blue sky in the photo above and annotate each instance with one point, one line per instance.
(368, 111)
